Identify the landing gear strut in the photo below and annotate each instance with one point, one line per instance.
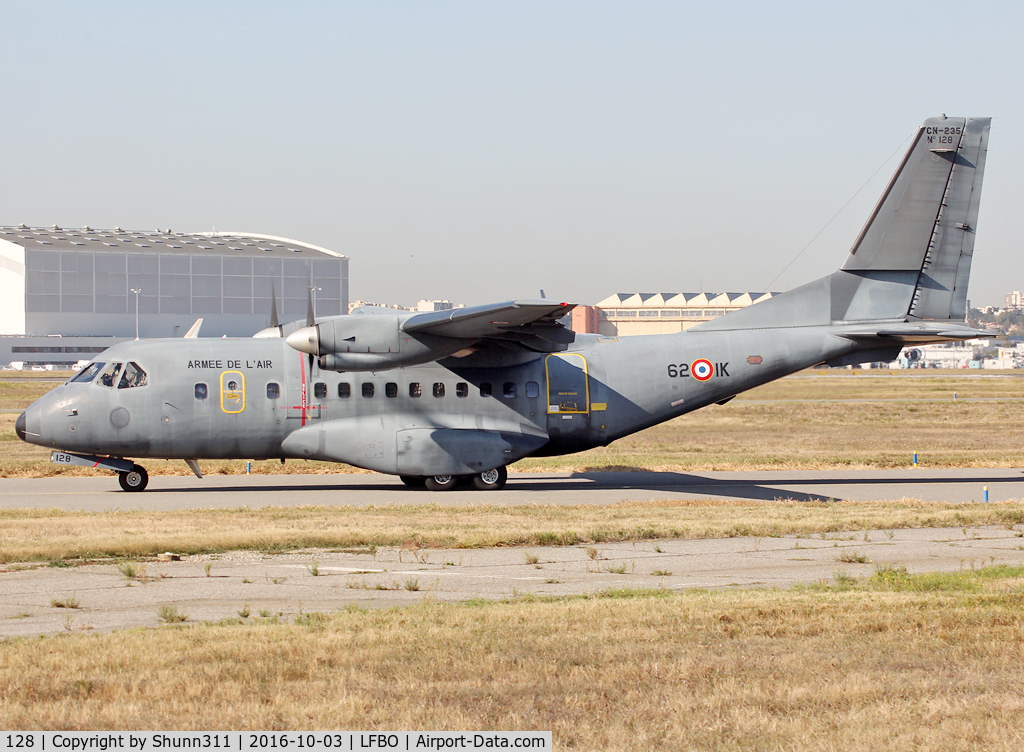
(135, 479)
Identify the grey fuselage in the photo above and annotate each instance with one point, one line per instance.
(599, 390)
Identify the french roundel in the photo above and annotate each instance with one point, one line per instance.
(702, 370)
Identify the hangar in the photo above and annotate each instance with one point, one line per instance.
(97, 286)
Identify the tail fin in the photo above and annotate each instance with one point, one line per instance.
(912, 260)
(913, 257)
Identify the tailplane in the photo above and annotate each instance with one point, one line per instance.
(912, 260)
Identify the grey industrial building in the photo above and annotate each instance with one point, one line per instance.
(90, 288)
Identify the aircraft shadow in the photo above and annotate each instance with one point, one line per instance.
(759, 489)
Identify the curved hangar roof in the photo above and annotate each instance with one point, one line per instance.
(164, 241)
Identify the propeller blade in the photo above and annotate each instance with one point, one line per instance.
(273, 308)
(310, 318)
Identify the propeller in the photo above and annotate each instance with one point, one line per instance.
(273, 308)
(310, 319)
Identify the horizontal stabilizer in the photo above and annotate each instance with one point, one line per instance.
(915, 334)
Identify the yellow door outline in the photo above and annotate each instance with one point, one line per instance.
(232, 400)
(555, 408)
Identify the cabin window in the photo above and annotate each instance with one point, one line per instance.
(438, 389)
(485, 388)
(273, 390)
(509, 390)
(532, 389)
(133, 376)
(344, 390)
(462, 389)
(320, 390)
(391, 390)
(367, 388)
(87, 374)
(415, 389)
(202, 392)
(108, 376)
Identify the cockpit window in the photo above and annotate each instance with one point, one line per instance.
(108, 376)
(87, 374)
(133, 376)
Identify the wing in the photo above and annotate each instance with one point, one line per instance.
(516, 320)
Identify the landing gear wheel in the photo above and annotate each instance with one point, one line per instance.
(491, 480)
(413, 481)
(135, 479)
(441, 482)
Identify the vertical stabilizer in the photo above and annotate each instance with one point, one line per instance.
(912, 260)
(913, 257)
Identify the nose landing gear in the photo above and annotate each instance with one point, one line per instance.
(135, 479)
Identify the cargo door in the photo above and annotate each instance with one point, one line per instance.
(568, 394)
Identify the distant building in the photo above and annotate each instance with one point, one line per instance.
(435, 305)
(66, 294)
(1015, 299)
(585, 319)
(625, 314)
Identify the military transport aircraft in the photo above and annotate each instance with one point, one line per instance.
(440, 397)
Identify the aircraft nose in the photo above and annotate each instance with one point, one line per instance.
(19, 426)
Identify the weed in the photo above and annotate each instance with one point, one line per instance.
(20, 615)
(207, 567)
(412, 584)
(889, 534)
(68, 621)
(593, 553)
(59, 563)
(169, 614)
(552, 582)
(264, 613)
(314, 568)
(661, 573)
(657, 548)
(243, 612)
(246, 581)
(316, 619)
(531, 558)
(127, 569)
(70, 601)
(621, 569)
(853, 557)
(844, 579)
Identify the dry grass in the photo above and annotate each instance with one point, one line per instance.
(53, 535)
(779, 426)
(899, 665)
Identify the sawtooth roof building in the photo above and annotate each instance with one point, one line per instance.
(87, 282)
(629, 313)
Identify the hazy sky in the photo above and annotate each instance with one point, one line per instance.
(479, 151)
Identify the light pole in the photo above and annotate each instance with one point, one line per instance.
(136, 291)
(314, 291)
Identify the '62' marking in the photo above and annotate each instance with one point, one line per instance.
(700, 369)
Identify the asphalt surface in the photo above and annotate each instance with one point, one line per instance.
(283, 586)
(188, 492)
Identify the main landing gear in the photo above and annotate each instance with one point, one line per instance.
(489, 480)
(135, 479)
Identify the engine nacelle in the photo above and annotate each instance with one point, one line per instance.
(370, 343)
